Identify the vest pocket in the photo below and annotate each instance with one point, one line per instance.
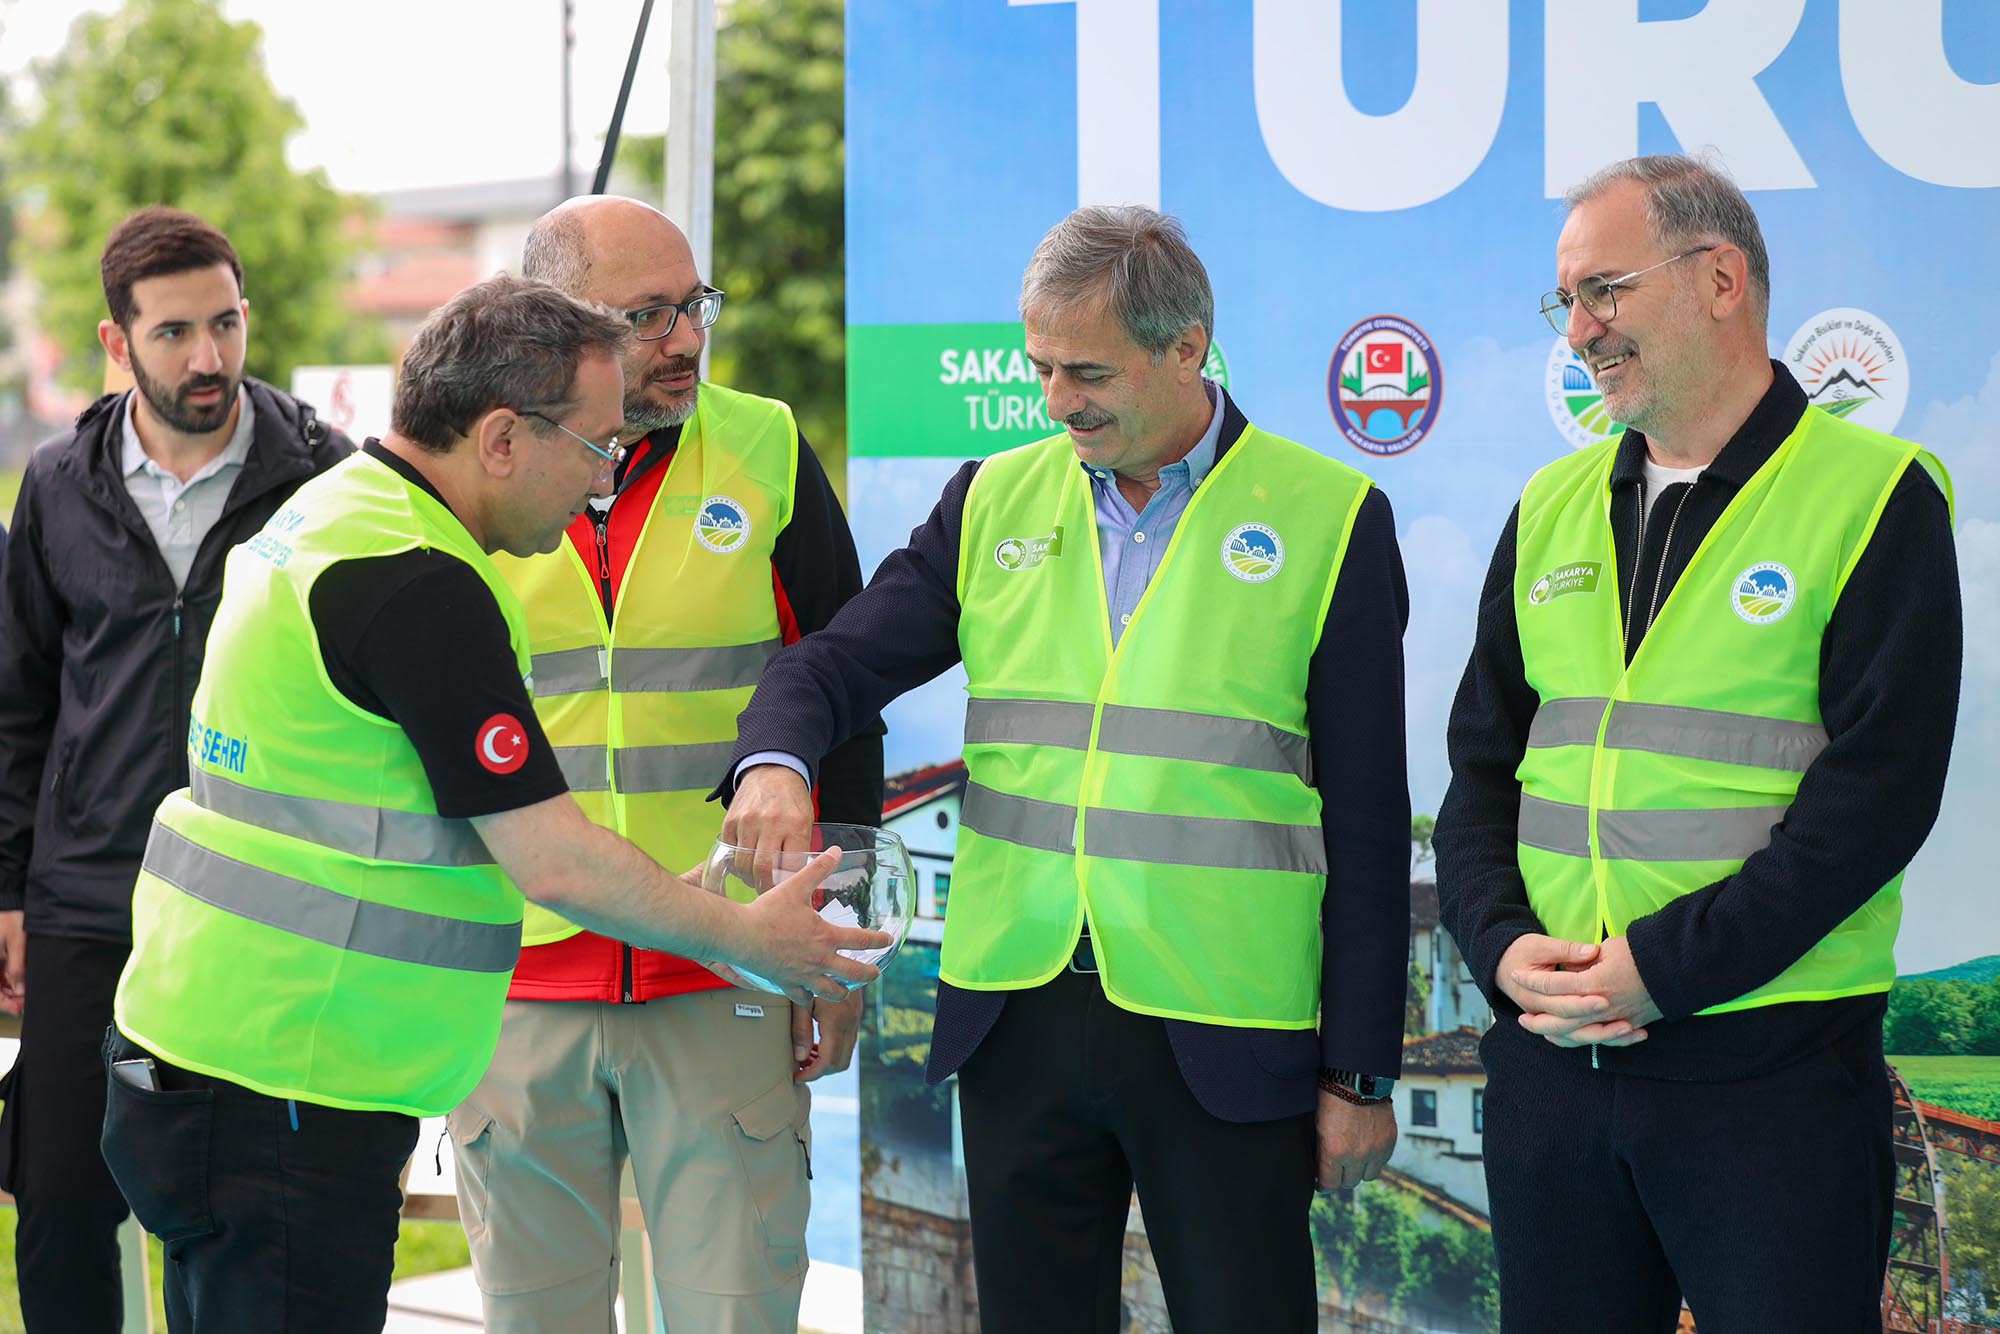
(773, 1148)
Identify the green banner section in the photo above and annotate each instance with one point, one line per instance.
(940, 390)
(956, 391)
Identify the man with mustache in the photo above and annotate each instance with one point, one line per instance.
(1704, 727)
(1175, 956)
(111, 583)
(649, 626)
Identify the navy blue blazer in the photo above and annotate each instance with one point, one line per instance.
(902, 631)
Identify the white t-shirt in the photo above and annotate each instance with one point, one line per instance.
(1658, 479)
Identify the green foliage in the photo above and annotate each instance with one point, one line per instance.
(1381, 1241)
(167, 102)
(780, 243)
(1972, 1208)
(1968, 1084)
(1983, 969)
(1416, 1001)
(1929, 1017)
(1422, 829)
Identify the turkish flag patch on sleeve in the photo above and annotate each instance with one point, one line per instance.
(502, 743)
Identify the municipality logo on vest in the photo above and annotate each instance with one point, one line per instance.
(1253, 552)
(1764, 593)
(1576, 577)
(1025, 553)
(723, 525)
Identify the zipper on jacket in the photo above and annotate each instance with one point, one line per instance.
(1638, 554)
(602, 519)
(177, 765)
(625, 973)
(1660, 575)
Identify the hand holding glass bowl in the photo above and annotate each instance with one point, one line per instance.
(870, 887)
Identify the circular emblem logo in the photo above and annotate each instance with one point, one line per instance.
(1384, 385)
(1764, 593)
(1010, 553)
(1574, 403)
(502, 743)
(1216, 366)
(1851, 363)
(1253, 552)
(1540, 592)
(723, 525)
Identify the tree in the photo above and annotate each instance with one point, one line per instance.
(780, 243)
(167, 102)
(1422, 828)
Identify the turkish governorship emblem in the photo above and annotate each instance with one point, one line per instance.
(1025, 553)
(1764, 593)
(1578, 576)
(1253, 552)
(723, 525)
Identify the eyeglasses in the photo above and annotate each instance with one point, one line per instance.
(611, 457)
(656, 322)
(1599, 295)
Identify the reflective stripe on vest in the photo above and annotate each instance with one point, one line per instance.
(727, 667)
(1672, 729)
(1137, 836)
(1729, 834)
(360, 831)
(583, 767)
(1240, 743)
(279, 901)
(569, 671)
(670, 768)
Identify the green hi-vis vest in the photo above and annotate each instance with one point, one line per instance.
(305, 923)
(1162, 790)
(642, 713)
(1644, 783)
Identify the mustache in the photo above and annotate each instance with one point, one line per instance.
(195, 384)
(1086, 420)
(679, 366)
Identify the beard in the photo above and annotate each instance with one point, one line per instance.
(644, 415)
(173, 408)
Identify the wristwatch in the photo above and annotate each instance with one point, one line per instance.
(1355, 1086)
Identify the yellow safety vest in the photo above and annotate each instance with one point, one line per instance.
(642, 712)
(1644, 783)
(305, 924)
(1161, 789)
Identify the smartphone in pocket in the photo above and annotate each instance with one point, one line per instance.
(139, 1072)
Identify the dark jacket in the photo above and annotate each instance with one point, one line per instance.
(1888, 688)
(99, 656)
(903, 630)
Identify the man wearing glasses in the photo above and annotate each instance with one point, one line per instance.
(648, 628)
(1704, 728)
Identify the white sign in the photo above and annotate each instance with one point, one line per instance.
(351, 399)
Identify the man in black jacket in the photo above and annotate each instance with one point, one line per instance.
(1661, 1121)
(114, 574)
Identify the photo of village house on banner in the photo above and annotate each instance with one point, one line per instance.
(1375, 191)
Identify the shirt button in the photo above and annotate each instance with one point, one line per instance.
(1124, 620)
(180, 505)
(1103, 476)
(1138, 537)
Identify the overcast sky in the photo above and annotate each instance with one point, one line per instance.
(402, 93)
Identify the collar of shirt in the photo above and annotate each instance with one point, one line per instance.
(1190, 470)
(135, 459)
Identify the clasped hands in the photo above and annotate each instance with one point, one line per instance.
(1576, 994)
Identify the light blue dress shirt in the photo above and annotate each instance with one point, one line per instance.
(179, 514)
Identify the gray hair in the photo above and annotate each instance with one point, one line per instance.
(554, 252)
(1138, 258)
(1690, 202)
(506, 342)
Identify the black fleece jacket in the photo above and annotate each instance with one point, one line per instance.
(100, 653)
(1889, 680)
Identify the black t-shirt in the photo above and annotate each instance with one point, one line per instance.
(417, 638)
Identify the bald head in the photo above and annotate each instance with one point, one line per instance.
(629, 256)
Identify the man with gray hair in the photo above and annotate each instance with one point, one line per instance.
(724, 540)
(326, 916)
(1685, 783)
(1175, 956)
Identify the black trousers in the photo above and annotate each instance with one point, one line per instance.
(272, 1225)
(1765, 1201)
(66, 1235)
(1070, 1102)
